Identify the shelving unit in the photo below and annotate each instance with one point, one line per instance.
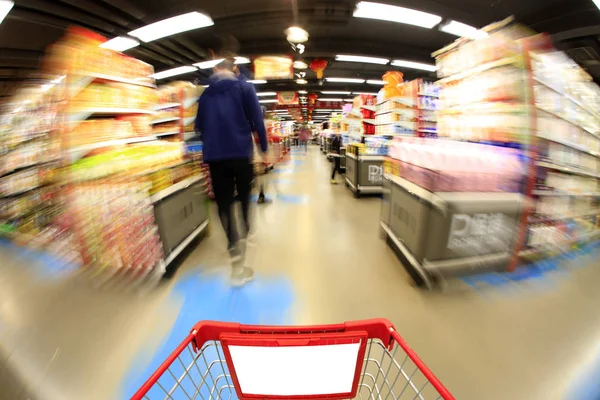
(85, 155)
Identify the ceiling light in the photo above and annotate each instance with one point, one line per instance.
(174, 71)
(365, 93)
(120, 43)
(257, 81)
(302, 92)
(362, 59)
(414, 65)
(5, 7)
(334, 92)
(348, 100)
(242, 60)
(345, 80)
(268, 101)
(208, 64)
(300, 65)
(172, 26)
(331, 99)
(295, 34)
(301, 81)
(463, 30)
(266, 94)
(322, 110)
(375, 82)
(386, 12)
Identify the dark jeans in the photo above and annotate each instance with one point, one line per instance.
(227, 175)
(336, 166)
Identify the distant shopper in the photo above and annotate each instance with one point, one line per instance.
(336, 144)
(228, 110)
(304, 136)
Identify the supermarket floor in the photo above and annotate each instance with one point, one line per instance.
(319, 260)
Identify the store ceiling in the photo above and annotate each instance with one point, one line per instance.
(255, 27)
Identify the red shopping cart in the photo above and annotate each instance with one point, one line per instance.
(345, 361)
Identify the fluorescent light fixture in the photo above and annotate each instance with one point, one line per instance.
(302, 92)
(300, 65)
(334, 92)
(242, 60)
(208, 64)
(375, 82)
(386, 12)
(345, 80)
(120, 43)
(172, 26)
(365, 93)
(257, 81)
(266, 94)
(414, 65)
(331, 99)
(348, 100)
(362, 59)
(301, 81)
(268, 101)
(322, 110)
(174, 71)
(463, 30)
(5, 7)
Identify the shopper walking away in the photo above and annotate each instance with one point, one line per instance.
(227, 111)
(336, 144)
(303, 136)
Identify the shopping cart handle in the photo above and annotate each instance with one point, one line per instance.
(205, 331)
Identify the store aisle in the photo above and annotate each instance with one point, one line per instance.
(319, 260)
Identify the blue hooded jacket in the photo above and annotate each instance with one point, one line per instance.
(228, 110)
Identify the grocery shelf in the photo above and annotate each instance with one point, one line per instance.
(482, 68)
(581, 238)
(188, 120)
(551, 217)
(163, 120)
(565, 168)
(79, 151)
(369, 121)
(175, 188)
(119, 79)
(188, 135)
(428, 94)
(27, 166)
(370, 108)
(403, 111)
(175, 132)
(575, 101)
(166, 105)
(569, 144)
(564, 118)
(407, 101)
(187, 103)
(80, 115)
(562, 193)
(428, 130)
(177, 250)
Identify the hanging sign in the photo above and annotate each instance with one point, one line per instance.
(288, 98)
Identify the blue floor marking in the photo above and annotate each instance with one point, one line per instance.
(45, 264)
(265, 301)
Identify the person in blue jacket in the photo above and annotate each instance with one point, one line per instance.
(228, 111)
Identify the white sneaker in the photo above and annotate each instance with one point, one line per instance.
(241, 276)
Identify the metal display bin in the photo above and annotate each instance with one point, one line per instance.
(181, 217)
(364, 174)
(444, 234)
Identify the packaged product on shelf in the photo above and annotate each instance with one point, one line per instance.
(446, 166)
(140, 124)
(99, 130)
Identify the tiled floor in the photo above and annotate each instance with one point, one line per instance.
(319, 260)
